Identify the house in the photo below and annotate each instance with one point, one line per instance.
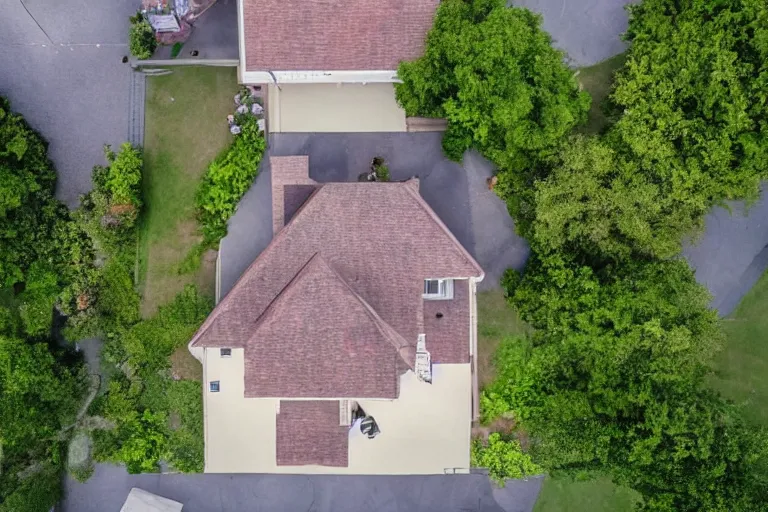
(330, 66)
(348, 346)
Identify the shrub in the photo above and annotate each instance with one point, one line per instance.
(186, 443)
(36, 493)
(141, 38)
(38, 299)
(503, 458)
(228, 178)
(176, 49)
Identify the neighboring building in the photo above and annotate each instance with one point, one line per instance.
(360, 315)
(330, 66)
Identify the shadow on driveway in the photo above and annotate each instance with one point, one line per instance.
(107, 489)
(458, 194)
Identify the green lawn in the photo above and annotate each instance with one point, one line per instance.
(185, 128)
(495, 320)
(597, 495)
(597, 81)
(742, 366)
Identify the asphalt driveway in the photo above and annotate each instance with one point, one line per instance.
(732, 253)
(588, 30)
(214, 36)
(66, 77)
(457, 193)
(107, 489)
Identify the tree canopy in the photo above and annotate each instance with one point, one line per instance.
(492, 72)
(693, 97)
(613, 379)
(614, 376)
(42, 252)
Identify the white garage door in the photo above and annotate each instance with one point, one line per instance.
(334, 108)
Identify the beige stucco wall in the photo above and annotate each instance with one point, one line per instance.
(425, 431)
(334, 108)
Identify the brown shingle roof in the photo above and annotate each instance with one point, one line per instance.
(291, 186)
(306, 35)
(319, 339)
(374, 244)
(308, 432)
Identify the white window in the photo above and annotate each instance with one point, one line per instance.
(438, 289)
(226, 352)
(214, 386)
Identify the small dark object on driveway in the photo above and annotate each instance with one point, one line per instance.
(125, 59)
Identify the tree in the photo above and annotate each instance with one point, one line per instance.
(597, 202)
(612, 379)
(39, 395)
(694, 99)
(492, 72)
(28, 211)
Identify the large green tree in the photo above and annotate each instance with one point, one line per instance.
(492, 72)
(613, 379)
(28, 212)
(39, 396)
(693, 98)
(597, 202)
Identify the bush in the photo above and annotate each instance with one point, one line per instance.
(141, 38)
(503, 458)
(37, 493)
(142, 406)
(228, 178)
(186, 446)
(150, 343)
(38, 299)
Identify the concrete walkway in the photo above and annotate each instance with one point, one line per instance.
(732, 254)
(110, 485)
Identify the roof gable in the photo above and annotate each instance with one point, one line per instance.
(381, 238)
(319, 339)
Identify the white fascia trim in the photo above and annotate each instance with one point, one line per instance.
(473, 345)
(241, 41)
(314, 77)
(206, 432)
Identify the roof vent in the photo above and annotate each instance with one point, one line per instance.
(423, 365)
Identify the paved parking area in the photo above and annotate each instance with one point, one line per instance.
(107, 489)
(732, 254)
(457, 193)
(588, 30)
(214, 35)
(67, 79)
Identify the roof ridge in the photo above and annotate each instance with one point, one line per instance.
(387, 331)
(222, 305)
